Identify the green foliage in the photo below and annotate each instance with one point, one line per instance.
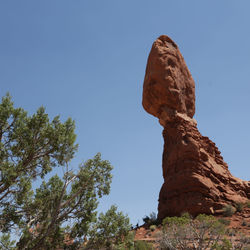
(6, 242)
(71, 199)
(243, 242)
(30, 146)
(186, 233)
(248, 204)
(152, 227)
(142, 245)
(208, 225)
(61, 209)
(239, 206)
(111, 228)
(176, 231)
(231, 232)
(128, 242)
(239, 242)
(225, 244)
(224, 221)
(203, 232)
(177, 221)
(151, 219)
(228, 210)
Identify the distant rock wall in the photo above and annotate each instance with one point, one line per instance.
(196, 179)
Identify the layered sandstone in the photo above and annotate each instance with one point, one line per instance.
(196, 179)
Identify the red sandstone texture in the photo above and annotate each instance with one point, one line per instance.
(196, 179)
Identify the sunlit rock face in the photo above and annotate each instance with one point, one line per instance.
(168, 85)
(196, 179)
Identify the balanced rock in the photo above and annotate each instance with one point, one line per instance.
(196, 179)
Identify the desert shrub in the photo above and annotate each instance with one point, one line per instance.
(243, 223)
(236, 241)
(231, 232)
(208, 231)
(111, 228)
(239, 206)
(146, 219)
(248, 204)
(178, 221)
(177, 232)
(203, 232)
(127, 243)
(224, 221)
(151, 219)
(185, 233)
(142, 245)
(152, 227)
(158, 234)
(225, 244)
(243, 242)
(186, 215)
(228, 210)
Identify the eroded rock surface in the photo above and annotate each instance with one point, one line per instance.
(196, 179)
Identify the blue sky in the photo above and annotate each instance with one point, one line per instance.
(86, 60)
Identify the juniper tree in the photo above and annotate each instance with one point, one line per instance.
(61, 212)
(30, 147)
(112, 228)
(72, 200)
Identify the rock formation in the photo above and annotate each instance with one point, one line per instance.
(196, 179)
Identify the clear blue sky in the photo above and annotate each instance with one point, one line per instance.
(86, 59)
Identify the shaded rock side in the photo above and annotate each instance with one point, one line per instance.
(196, 179)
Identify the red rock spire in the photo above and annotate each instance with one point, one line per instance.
(196, 179)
